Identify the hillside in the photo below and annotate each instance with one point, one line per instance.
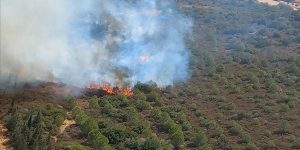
(243, 92)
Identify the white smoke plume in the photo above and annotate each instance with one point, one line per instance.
(82, 41)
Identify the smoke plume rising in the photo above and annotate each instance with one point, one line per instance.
(78, 42)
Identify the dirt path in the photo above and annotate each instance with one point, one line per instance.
(295, 6)
(270, 2)
(3, 138)
(68, 122)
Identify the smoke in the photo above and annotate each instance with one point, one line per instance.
(78, 42)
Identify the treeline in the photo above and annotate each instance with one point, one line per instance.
(33, 130)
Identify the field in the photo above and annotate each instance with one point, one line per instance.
(243, 92)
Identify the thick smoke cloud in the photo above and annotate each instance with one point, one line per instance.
(78, 42)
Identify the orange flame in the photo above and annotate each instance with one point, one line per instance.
(128, 92)
(111, 91)
(107, 89)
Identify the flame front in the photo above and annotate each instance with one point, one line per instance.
(107, 89)
(111, 91)
(128, 92)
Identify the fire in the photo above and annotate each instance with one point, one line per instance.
(144, 58)
(107, 89)
(111, 91)
(128, 92)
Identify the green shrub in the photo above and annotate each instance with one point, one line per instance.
(291, 104)
(141, 105)
(291, 138)
(215, 90)
(206, 147)
(271, 144)
(109, 109)
(152, 97)
(217, 132)
(71, 102)
(253, 78)
(132, 116)
(72, 146)
(142, 127)
(103, 101)
(200, 139)
(152, 143)
(208, 123)
(296, 143)
(97, 140)
(267, 133)
(118, 133)
(159, 102)
(58, 120)
(138, 95)
(271, 84)
(284, 127)
(193, 106)
(76, 111)
(210, 71)
(235, 128)
(240, 115)
(231, 106)
(245, 137)
(157, 113)
(235, 89)
(177, 138)
(81, 118)
(220, 68)
(267, 109)
(89, 125)
(251, 146)
(186, 125)
(256, 121)
(94, 102)
(103, 123)
(285, 108)
(167, 123)
(145, 88)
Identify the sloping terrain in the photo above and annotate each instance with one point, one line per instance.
(243, 92)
